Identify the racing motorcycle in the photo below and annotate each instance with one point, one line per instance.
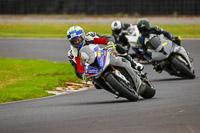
(171, 57)
(114, 79)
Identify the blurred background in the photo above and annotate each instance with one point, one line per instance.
(100, 7)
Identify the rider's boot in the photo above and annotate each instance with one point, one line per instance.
(157, 68)
(135, 64)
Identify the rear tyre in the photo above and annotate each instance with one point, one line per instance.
(121, 88)
(183, 69)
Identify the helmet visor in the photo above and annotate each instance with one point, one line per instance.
(144, 31)
(117, 31)
(76, 42)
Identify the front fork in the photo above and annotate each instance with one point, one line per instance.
(145, 79)
(182, 51)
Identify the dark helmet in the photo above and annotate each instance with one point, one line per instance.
(143, 26)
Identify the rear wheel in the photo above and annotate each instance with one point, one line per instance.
(121, 88)
(183, 69)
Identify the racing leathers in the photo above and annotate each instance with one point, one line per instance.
(94, 38)
(73, 54)
(155, 31)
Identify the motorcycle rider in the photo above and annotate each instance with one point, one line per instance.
(119, 32)
(147, 32)
(78, 39)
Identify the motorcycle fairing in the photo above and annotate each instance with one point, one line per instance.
(118, 73)
(101, 58)
(163, 51)
(91, 71)
(102, 61)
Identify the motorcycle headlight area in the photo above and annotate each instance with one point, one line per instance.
(84, 57)
(87, 54)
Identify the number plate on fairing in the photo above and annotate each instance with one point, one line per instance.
(101, 58)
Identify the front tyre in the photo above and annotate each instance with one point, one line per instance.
(121, 88)
(149, 92)
(183, 69)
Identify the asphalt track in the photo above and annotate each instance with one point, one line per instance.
(174, 109)
(47, 49)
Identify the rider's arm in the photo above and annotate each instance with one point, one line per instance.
(125, 26)
(78, 73)
(159, 31)
(167, 34)
(95, 38)
(104, 40)
(79, 69)
(100, 41)
(144, 47)
(140, 41)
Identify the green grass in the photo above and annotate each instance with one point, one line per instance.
(26, 79)
(59, 30)
(185, 31)
(46, 30)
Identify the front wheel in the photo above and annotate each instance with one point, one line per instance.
(149, 92)
(121, 88)
(182, 68)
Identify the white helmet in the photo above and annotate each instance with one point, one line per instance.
(116, 27)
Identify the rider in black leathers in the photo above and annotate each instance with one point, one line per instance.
(147, 32)
(119, 32)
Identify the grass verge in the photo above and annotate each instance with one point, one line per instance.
(59, 30)
(26, 79)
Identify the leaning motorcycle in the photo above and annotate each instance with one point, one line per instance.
(171, 57)
(112, 78)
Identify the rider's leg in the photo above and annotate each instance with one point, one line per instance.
(134, 64)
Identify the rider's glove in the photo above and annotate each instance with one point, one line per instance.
(70, 55)
(157, 29)
(111, 45)
(84, 77)
(177, 40)
(90, 36)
